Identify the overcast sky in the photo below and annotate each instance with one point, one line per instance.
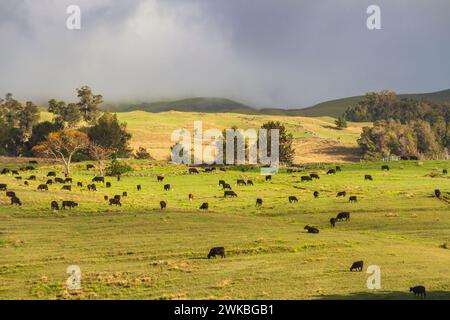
(280, 53)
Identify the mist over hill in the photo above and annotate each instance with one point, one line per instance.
(332, 108)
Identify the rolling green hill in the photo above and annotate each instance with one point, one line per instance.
(332, 108)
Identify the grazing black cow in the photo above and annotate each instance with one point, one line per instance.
(343, 216)
(19, 178)
(353, 199)
(139, 187)
(311, 229)
(108, 184)
(90, 166)
(69, 204)
(222, 182)
(268, 178)
(230, 194)
(43, 187)
(117, 197)
(49, 181)
(59, 180)
(92, 187)
(3, 187)
(10, 194)
(16, 201)
(223, 169)
(124, 194)
(385, 167)
(331, 171)
(115, 202)
(316, 194)
(341, 194)
(118, 178)
(51, 174)
(191, 197)
(217, 251)
(67, 188)
(358, 266)
(306, 178)
(32, 162)
(338, 169)
(437, 193)
(444, 171)
(167, 187)
(226, 186)
(26, 183)
(54, 205)
(193, 170)
(418, 291)
(99, 179)
(162, 204)
(15, 172)
(106, 198)
(293, 199)
(32, 178)
(68, 180)
(250, 182)
(204, 206)
(241, 182)
(160, 178)
(368, 177)
(31, 168)
(80, 184)
(5, 171)
(259, 202)
(333, 222)
(314, 176)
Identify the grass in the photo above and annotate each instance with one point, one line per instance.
(140, 252)
(315, 139)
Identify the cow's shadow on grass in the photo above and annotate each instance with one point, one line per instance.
(388, 295)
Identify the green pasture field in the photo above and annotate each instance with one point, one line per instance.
(138, 251)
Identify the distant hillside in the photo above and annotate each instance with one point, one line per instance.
(189, 105)
(335, 108)
(332, 108)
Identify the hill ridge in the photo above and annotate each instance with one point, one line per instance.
(331, 108)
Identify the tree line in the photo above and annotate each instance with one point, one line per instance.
(78, 131)
(402, 127)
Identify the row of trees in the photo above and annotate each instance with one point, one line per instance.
(107, 139)
(286, 149)
(402, 127)
(415, 138)
(77, 131)
(386, 105)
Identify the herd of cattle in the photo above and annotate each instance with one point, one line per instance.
(67, 182)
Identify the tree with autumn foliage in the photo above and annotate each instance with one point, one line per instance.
(62, 146)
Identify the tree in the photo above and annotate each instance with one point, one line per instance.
(286, 151)
(340, 122)
(62, 145)
(16, 122)
(68, 115)
(142, 154)
(386, 105)
(111, 134)
(415, 138)
(100, 154)
(28, 116)
(89, 104)
(117, 168)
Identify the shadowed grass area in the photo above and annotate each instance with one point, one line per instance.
(138, 251)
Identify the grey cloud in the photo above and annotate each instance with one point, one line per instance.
(286, 53)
